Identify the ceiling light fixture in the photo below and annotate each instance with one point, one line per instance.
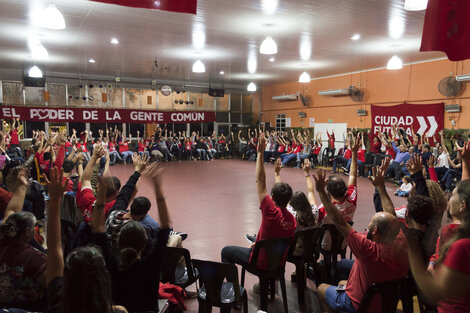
(198, 67)
(114, 41)
(268, 46)
(304, 78)
(52, 18)
(252, 64)
(221, 72)
(251, 87)
(269, 6)
(416, 5)
(272, 59)
(395, 63)
(38, 52)
(305, 48)
(35, 72)
(91, 61)
(356, 37)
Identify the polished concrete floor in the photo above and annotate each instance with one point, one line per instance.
(216, 203)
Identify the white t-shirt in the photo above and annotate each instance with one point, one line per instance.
(406, 187)
(442, 160)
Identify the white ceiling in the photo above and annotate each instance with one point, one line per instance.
(233, 32)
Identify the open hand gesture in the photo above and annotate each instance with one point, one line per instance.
(140, 162)
(464, 152)
(261, 143)
(306, 166)
(277, 166)
(378, 176)
(320, 180)
(431, 161)
(414, 165)
(56, 185)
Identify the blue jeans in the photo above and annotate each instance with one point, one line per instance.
(201, 154)
(339, 301)
(126, 154)
(448, 178)
(300, 157)
(287, 158)
(339, 160)
(141, 153)
(113, 155)
(348, 165)
(402, 193)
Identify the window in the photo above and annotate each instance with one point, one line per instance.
(280, 122)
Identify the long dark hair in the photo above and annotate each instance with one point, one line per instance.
(131, 241)
(302, 208)
(463, 231)
(87, 285)
(16, 225)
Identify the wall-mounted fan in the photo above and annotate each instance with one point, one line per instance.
(356, 94)
(449, 86)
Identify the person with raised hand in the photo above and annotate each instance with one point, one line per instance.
(135, 275)
(86, 199)
(85, 267)
(381, 256)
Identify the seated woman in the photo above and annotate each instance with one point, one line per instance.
(85, 268)
(135, 277)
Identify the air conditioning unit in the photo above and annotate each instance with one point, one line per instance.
(302, 114)
(453, 108)
(463, 78)
(334, 92)
(361, 112)
(292, 97)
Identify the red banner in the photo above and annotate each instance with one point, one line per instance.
(427, 119)
(447, 28)
(91, 115)
(180, 6)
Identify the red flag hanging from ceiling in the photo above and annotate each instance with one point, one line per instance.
(181, 6)
(447, 28)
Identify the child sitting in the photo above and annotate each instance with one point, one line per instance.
(405, 188)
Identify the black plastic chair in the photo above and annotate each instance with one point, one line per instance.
(330, 257)
(174, 273)
(275, 250)
(389, 292)
(328, 153)
(215, 291)
(310, 238)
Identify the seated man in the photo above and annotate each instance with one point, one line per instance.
(381, 256)
(276, 222)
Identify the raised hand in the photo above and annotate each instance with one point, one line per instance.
(306, 166)
(385, 164)
(378, 176)
(261, 143)
(431, 161)
(277, 166)
(356, 142)
(56, 185)
(155, 173)
(98, 152)
(140, 162)
(464, 152)
(23, 177)
(414, 165)
(320, 180)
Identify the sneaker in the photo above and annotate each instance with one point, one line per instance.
(183, 235)
(250, 238)
(190, 294)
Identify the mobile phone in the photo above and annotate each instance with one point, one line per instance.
(341, 288)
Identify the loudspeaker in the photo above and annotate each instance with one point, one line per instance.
(302, 114)
(216, 92)
(33, 82)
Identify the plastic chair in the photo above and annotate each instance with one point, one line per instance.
(310, 238)
(389, 293)
(174, 273)
(331, 256)
(214, 291)
(275, 251)
(39, 175)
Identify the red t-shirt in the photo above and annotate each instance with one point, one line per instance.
(347, 208)
(123, 146)
(86, 202)
(281, 148)
(68, 144)
(375, 263)
(361, 155)
(457, 259)
(188, 145)
(14, 137)
(5, 197)
(390, 152)
(375, 147)
(275, 223)
(348, 154)
(142, 147)
(69, 183)
(447, 232)
(297, 149)
(316, 150)
(112, 147)
(331, 139)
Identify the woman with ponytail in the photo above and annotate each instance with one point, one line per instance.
(450, 287)
(22, 268)
(135, 275)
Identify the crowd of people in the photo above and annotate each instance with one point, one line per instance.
(102, 242)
